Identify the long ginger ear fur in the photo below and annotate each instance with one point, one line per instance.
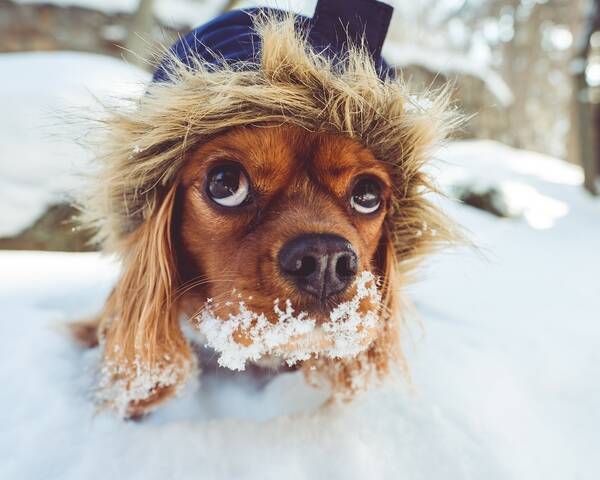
(145, 355)
(348, 377)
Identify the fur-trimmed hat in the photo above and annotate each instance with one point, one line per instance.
(264, 66)
(232, 37)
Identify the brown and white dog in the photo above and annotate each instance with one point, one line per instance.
(280, 182)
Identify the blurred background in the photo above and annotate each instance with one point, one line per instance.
(504, 381)
(526, 71)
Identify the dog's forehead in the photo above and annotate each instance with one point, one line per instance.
(278, 153)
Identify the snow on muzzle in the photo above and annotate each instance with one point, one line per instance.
(248, 336)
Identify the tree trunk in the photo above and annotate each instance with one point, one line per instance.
(585, 148)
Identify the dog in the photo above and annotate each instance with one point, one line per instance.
(229, 190)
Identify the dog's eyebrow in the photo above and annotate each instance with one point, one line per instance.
(352, 164)
(227, 151)
(258, 168)
(338, 170)
(262, 169)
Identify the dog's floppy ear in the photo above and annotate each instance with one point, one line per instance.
(145, 357)
(349, 376)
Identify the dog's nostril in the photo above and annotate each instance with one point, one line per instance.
(345, 266)
(305, 266)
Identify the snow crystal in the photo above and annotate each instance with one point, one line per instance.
(121, 384)
(247, 335)
(348, 328)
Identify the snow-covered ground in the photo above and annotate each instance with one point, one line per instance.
(504, 346)
(505, 362)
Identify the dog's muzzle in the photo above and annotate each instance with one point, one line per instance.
(321, 265)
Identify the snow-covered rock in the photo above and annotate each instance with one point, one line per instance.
(516, 183)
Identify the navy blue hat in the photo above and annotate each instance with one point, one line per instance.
(233, 39)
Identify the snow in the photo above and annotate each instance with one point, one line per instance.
(503, 349)
(247, 335)
(136, 382)
(47, 100)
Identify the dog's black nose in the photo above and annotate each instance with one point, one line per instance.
(320, 264)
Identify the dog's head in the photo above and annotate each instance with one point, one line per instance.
(278, 212)
(282, 182)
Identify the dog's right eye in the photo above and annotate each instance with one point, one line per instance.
(228, 185)
(366, 196)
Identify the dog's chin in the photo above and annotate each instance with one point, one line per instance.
(240, 331)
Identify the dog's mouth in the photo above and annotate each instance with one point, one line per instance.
(243, 335)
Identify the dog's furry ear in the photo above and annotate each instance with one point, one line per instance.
(145, 355)
(347, 377)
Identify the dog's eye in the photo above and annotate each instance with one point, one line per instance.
(228, 185)
(366, 196)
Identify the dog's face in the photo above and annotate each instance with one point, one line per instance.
(278, 212)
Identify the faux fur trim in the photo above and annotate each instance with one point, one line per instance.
(147, 142)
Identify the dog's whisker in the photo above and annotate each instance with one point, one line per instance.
(205, 279)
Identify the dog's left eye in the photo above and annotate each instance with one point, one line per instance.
(228, 185)
(366, 196)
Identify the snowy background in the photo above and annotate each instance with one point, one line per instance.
(503, 345)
